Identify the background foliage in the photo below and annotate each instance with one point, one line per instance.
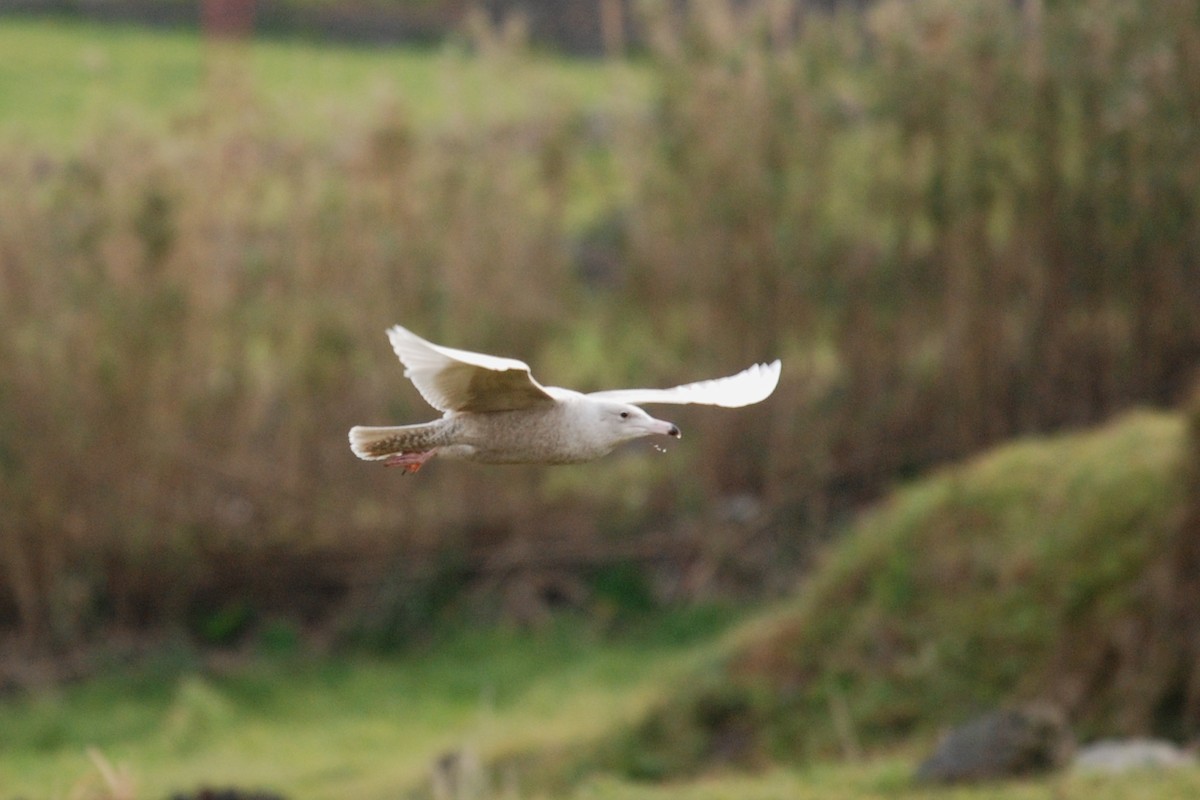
(955, 222)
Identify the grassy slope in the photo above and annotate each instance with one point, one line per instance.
(61, 80)
(1009, 578)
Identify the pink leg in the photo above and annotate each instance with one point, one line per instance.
(410, 461)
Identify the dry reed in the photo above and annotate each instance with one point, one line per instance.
(957, 222)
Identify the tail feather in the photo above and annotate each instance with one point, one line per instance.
(376, 444)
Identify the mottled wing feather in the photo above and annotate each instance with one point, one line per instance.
(459, 380)
(751, 385)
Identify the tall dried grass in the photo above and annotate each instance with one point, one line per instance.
(976, 219)
(188, 332)
(955, 221)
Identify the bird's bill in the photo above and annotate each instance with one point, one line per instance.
(665, 428)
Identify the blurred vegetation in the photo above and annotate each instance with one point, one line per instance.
(1045, 572)
(1042, 571)
(955, 222)
(63, 81)
(356, 726)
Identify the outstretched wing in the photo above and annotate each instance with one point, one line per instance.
(751, 385)
(459, 380)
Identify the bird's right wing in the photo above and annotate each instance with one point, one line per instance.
(459, 380)
(751, 385)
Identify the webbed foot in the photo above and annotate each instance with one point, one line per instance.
(411, 462)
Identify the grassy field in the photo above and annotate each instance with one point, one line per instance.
(371, 728)
(355, 727)
(61, 81)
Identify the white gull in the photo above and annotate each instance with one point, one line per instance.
(495, 412)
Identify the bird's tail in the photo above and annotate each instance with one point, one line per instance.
(376, 444)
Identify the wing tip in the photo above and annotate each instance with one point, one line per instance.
(400, 332)
(767, 374)
(769, 368)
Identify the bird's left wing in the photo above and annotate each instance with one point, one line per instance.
(751, 385)
(459, 380)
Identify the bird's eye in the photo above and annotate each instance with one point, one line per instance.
(624, 415)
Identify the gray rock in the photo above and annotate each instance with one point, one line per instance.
(1123, 755)
(1000, 744)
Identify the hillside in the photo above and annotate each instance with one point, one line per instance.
(1050, 570)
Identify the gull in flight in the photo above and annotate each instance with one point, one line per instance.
(495, 412)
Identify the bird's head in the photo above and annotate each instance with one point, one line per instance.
(623, 422)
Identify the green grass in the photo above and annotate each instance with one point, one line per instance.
(359, 727)
(370, 727)
(58, 78)
(61, 80)
(1007, 579)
